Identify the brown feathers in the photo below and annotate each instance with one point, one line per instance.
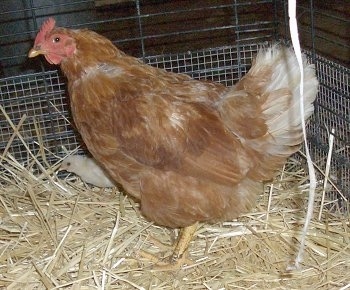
(188, 150)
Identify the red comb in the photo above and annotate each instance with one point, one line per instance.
(46, 27)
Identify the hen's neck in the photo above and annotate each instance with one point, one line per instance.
(92, 50)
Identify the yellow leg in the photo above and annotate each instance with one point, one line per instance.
(178, 257)
(183, 241)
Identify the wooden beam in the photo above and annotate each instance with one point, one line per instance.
(99, 3)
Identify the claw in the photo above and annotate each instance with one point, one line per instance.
(179, 256)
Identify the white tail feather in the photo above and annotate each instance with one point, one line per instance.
(281, 108)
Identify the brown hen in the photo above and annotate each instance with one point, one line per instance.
(190, 151)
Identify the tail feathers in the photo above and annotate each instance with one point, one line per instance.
(271, 92)
(282, 106)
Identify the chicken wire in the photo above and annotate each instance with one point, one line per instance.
(218, 42)
(42, 98)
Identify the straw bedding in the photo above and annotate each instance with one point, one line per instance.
(63, 234)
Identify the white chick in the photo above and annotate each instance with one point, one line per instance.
(87, 169)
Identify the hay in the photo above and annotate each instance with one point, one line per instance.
(63, 234)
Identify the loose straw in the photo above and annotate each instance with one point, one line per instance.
(328, 166)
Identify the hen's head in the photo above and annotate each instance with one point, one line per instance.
(54, 43)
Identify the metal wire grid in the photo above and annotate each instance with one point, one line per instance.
(323, 27)
(332, 112)
(141, 28)
(144, 28)
(224, 64)
(42, 98)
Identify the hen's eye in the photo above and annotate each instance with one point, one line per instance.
(56, 39)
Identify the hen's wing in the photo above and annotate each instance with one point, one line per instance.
(168, 122)
(134, 118)
(194, 168)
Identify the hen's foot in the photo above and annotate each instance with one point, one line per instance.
(179, 256)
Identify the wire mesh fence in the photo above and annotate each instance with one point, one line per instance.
(214, 40)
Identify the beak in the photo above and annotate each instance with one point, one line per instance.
(35, 51)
